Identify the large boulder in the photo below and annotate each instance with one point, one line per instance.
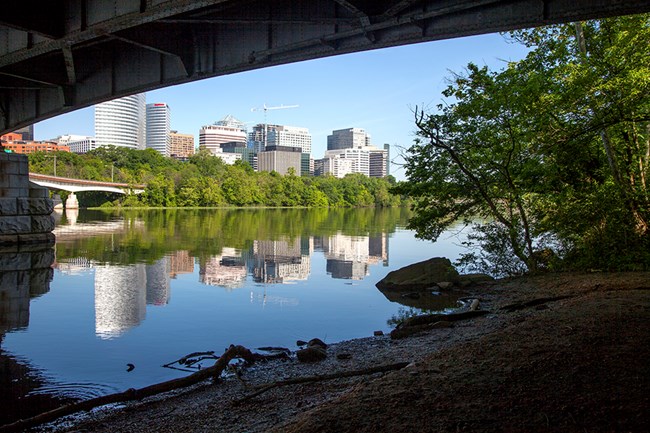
(422, 276)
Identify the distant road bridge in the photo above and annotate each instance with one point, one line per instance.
(80, 185)
(60, 55)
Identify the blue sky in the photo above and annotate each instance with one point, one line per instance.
(374, 90)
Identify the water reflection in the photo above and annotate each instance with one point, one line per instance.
(275, 269)
(24, 275)
(120, 298)
(134, 255)
(348, 257)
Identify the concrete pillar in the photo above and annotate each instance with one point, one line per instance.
(25, 208)
(72, 202)
(58, 203)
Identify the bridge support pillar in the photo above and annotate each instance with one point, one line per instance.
(25, 208)
(72, 202)
(58, 203)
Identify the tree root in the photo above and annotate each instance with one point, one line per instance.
(425, 322)
(298, 380)
(137, 394)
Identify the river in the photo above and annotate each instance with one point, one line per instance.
(146, 287)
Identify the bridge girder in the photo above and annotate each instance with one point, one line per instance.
(61, 55)
(76, 188)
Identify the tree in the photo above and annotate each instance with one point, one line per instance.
(551, 152)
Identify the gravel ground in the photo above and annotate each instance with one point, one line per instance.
(519, 370)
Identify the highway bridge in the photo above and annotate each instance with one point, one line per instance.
(60, 55)
(80, 185)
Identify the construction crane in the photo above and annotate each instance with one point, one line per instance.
(265, 109)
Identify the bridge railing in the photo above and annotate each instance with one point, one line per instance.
(82, 182)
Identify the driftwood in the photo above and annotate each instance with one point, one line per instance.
(533, 303)
(136, 394)
(425, 322)
(188, 359)
(309, 379)
(432, 318)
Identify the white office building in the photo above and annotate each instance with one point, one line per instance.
(335, 165)
(359, 159)
(227, 130)
(158, 128)
(78, 143)
(121, 122)
(290, 136)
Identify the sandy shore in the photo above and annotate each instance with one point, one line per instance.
(553, 365)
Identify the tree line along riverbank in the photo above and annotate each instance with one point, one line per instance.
(205, 181)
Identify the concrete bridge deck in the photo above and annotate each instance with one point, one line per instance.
(80, 185)
(60, 55)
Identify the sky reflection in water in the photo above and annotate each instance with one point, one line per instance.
(147, 287)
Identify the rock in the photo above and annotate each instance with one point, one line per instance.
(420, 276)
(317, 342)
(343, 356)
(378, 333)
(301, 343)
(311, 354)
(445, 285)
(411, 295)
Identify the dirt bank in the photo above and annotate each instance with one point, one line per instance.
(579, 361)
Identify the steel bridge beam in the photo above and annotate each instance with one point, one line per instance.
(61, 55)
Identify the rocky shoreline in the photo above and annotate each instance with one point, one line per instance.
(551, 345)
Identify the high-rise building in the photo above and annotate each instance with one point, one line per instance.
(347, 139)
(158, 128)
(181, 146)
(387, 149)
(121, 122)
(280, 159)
(224, 131)
(378, 160)
(290, 136)
(258, 137)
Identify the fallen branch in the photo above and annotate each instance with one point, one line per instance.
(136, 394)
(426, 322)
(533, 302)
(433, 318)
(298, 380)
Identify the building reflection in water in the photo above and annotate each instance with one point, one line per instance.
(225, 270)
(180, 262)
(123, 292)
(158, 276)
(349, 257)
(281, 261)
(120, 298)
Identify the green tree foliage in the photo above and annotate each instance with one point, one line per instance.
(551, 152)
(206, 181)
(149, 234)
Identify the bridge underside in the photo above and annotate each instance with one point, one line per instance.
(61, 55)
(77, 189)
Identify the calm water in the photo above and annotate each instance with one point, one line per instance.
(148, 287)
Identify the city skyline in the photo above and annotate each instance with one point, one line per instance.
(373, 90)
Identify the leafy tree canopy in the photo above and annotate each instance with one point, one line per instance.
(548, 156)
